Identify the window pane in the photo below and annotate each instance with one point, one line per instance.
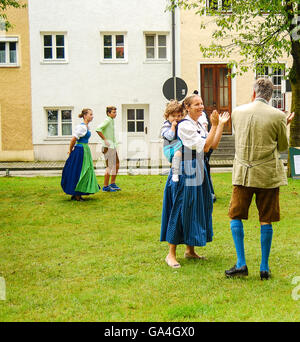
(223, 97)
(66, 129)
(226, 75)
(208, 77)
(150, 41)
(211, 96)
(162, 52)
(107, 53)
(52, 129)
(52, 115)
(66, 115)
(150, 53)
(60, 40)
(130, 126)
(221, 77)
(119, 52)
(130, 114)
(48, 40)
(60, 53)
(13, 52)
(221, 91)
(2, 53)
(213, 4)
(266, 71)
(140, 126)
(107, 40)
(162, 41)
(277, 100)
(48, 53)
(206, 97)
(277, 71)
(226, 5)
(120, 40)
(140, 114)
(12, 46)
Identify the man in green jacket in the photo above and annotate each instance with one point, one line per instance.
(106, 131)
(260, 134)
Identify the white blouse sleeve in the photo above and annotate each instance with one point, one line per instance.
(190, 137)
(80, 131)
(203, 119)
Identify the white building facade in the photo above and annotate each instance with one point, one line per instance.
(94, 54)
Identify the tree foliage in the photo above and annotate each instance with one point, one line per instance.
(4, 6)
(260, 32)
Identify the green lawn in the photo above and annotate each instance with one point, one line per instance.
(101, 260)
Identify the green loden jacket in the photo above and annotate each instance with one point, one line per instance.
(260, 133)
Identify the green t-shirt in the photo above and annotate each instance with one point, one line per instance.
(107, 128)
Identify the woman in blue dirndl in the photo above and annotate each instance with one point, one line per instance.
(188, 203)
(78, 176)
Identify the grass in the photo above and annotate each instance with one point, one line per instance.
(101, 260)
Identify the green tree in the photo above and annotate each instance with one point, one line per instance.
(260, 31)
(4, 5)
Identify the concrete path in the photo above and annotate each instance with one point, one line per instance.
(54, 168)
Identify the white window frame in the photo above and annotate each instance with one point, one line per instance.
(8, 40)
(283, 92)
(220, 7)
(114, 59)
(54, 59)
(156, 47)
(135, 121)
(229, 11)
(59, 135)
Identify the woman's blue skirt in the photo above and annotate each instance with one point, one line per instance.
(187, 206)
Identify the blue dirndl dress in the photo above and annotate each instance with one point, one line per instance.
(78, 176)
(188, 205)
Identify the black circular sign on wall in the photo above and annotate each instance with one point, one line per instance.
(181, 89)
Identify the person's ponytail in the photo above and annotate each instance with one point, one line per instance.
(83, 112)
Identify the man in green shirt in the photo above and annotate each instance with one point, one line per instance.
(106, 131)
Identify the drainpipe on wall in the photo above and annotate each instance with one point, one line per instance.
(173, 53)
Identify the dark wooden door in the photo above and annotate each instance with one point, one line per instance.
(216, 90)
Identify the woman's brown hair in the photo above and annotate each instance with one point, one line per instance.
(84, 112)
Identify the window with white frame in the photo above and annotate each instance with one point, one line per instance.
(276, 74)
(54, 47)
(8, 51)
(135, 120)
(113, 47)
(59, 122)
(156, 46)
(219, 5)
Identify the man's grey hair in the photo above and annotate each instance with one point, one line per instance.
(263, 87)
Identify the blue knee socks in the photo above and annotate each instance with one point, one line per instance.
(238, 238)
(266, 233)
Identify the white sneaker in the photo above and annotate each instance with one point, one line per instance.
(175, 178)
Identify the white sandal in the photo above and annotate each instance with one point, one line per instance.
(173, 266)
